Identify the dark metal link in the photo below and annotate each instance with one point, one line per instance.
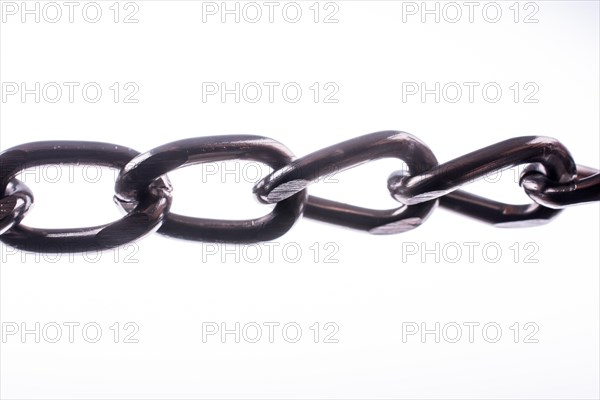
(14, 204)
(585, 189)
(306, 170)
(145, 218)
(147, 167)
(547, 154)
(498, 214)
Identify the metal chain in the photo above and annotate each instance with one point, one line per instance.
(551, 179)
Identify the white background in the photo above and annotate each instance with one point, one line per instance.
(169, 288)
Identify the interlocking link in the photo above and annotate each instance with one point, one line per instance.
(499, 214)
(548, 156)
(553, 194)
(144, 169)
(143, 219)
(15, 204)
(447, 177)
(551, 179)
(302, 172)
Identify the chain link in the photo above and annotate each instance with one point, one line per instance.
(551, 179)
(146, 168)
(146, 217)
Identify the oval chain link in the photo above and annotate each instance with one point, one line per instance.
(143, 170)
(143, 219)
(302, 172)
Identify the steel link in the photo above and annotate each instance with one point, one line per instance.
(547, 155)
(14, 204)
(336, 158)
(145, 218)
(144, 169)
(143, 191)
(584, 189)
(498, 214)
